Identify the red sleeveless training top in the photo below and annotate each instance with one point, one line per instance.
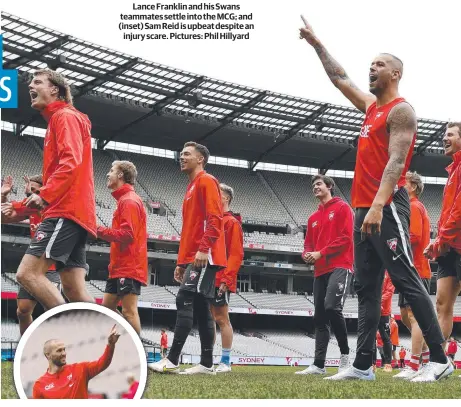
(372, 155)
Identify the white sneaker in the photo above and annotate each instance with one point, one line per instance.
(199, 369)
(407, 374)
(433, 372)
(344, 363)
(351, 373)
(223, 368)
(164, 366)
(312, 369)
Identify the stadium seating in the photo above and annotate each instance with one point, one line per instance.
(344, 185)
(431, 197)
(158, 294)
(168, 294)
(254, 345)
(295, 191)
(9, 283)
(275, 239)
(277, 301)
(298, 342)
(260, 195)
(252, 199)
(30, 162)
(351, 305)
(94, 291)
(10, 330)
(237, 301)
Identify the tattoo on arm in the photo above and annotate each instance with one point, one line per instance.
(333, 69)
(402, 125)
(341, 80)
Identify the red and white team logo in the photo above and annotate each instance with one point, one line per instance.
(392, 243)
(365, 130)
(122, 281)
(314, 224)
(379, 114)
(40, 235)
(193, 274)
(331, 215)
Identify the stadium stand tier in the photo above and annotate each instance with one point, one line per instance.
(260, 195)
(167, 295)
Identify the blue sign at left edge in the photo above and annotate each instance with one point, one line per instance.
(8, 84)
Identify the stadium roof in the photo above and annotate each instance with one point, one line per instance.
(140, 102)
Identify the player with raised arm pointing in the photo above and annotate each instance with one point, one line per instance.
(381, 232)
(63, 381)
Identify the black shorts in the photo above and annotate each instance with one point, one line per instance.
(404, 303)
(200, 281)
(220, 299)
(63, 241)
(394, 347)
(449, 265)
(123, 286)
(52, 276)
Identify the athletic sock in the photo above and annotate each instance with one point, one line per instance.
(225, 357)
(414, 362)
(437, 354)
(363, 360)
(320, 363)
(425, 357)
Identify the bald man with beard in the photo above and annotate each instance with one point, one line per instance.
(63, 381)
(382, 209)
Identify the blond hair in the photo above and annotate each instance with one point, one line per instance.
(227, 190)
(415, 179)
(128, 169)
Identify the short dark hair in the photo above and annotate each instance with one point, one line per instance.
(37, 178)
(399, 62)
(201, 149)
(329, 182)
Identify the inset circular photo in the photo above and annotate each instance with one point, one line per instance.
(80, 351)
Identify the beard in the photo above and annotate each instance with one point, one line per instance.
(58, 362)
(375, 91)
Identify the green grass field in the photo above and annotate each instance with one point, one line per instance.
(276, 382)
(8, 389)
